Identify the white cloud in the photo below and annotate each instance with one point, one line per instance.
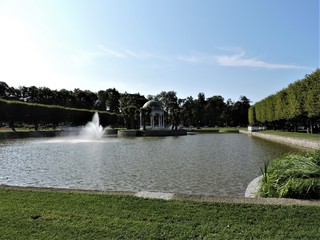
(129, 54)
(236, 58)
(113, 53)
(240, 60)
(139, 56)
(196, 58)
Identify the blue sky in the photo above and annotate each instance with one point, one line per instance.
(218, 47)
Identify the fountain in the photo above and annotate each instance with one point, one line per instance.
(92, 130)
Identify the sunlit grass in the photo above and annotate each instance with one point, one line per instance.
(229, 130)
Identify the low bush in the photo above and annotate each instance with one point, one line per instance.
(293, 176)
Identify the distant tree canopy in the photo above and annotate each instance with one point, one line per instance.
(298, 104)
(54, 104)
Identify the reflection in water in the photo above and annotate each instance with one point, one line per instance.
(213, 164)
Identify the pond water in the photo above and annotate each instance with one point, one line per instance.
(211, 164)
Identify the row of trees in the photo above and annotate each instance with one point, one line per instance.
(199, 112)
(297, 105)
(35, 114)
(43, 95)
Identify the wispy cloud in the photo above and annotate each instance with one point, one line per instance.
(232, 57)
(135, 55)
(196, 58)
(84, 58)
(112, 52)
(129, 54)
(240, 60)
(236, 57)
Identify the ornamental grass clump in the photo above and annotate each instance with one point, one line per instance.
(292, 176)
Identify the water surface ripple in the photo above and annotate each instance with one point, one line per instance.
(212, 164)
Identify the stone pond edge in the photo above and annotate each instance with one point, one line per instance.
(177, 196)
(299, 142)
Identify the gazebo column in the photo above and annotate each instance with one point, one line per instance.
(152, 120)
(141, 124)
(162, 120)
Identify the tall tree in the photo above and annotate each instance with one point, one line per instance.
(243, 111)
(128, 99)
(130, 105)
(187, 112)
(46, 96)
(100, 104)
(66, 98)
(4, 90)
(84, 99)
(168, 100)
(228, 114)
(171, 104)
(112, 100)
(131, 116)
(199, 110)
(214, 109)
(312, 104)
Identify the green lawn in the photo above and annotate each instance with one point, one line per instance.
(229, 130)
(60, 215)
(294, 134)
(216, 130)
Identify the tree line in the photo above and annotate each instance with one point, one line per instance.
(16, 112)
(298, 105)
(199, 112)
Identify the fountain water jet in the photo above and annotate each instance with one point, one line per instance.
(92, 130)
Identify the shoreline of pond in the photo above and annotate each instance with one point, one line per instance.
(121, 133)
(175, 196)
(298, 142)
(30, 134)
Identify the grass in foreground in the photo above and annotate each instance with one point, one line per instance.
(292, 176)
(57, 215)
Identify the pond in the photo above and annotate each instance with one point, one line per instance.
(210, 164)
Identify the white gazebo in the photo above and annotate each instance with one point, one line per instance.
(156, 115)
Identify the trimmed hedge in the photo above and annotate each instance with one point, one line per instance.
(298, 103)
(32, 113)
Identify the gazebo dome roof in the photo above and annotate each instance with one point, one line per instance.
(154, 105)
